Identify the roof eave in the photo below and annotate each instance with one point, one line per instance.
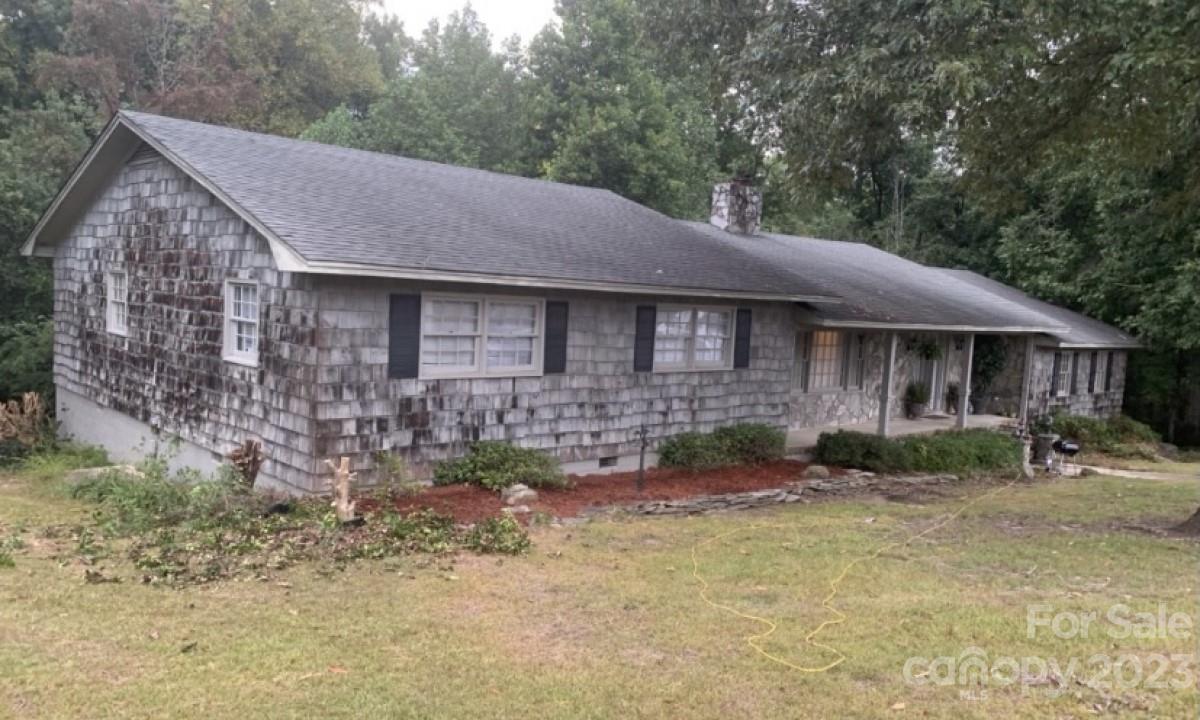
(530, 281)
(285, 256)
(932, 327)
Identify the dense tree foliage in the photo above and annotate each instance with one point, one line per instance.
(1053, 145)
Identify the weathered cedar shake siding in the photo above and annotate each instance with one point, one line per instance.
(588, 412)
(178, 244)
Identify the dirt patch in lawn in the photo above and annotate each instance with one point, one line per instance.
(467, 503)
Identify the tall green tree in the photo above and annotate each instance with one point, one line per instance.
(38, 147)
(455, 100)
(603, 115)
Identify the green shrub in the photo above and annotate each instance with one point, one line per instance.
(501, 535)
(845, 448)
(744, 444)
(955, 451)
(496, 465)
(694, 451)
(1106, 435)
(1129, 430)
(752, 443)
(961, 451)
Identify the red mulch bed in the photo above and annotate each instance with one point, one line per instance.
(467, 503)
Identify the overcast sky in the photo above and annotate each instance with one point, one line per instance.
(502, 17)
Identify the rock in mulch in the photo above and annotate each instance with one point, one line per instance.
(518, 495)
(816, 472)
(82, 475)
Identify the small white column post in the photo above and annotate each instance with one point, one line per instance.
(964, 386)
(1027, 381)
(885, 390)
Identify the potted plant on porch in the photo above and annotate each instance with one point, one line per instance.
(916, 397)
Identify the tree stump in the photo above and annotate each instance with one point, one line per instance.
(340, 485)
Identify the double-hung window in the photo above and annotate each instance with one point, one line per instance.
(825, 360)
(828, 360)
(117, 303)
(241, 322)
(693, 338)
(475, 336)
(1061, 380)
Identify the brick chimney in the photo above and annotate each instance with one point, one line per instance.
(736, 207)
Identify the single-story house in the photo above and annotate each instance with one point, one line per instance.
(215, 285)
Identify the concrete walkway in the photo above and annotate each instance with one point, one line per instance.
(805, 438)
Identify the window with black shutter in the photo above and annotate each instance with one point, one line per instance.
(1092, 371)
(404, 336)
(741, 340)
(555, 360)
(643, 341)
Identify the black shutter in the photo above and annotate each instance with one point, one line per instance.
(1092, 371)
(741, 339)
(404, 335)
(643, 342)
(1054, 378)
(1074, 374)
(1108, 371)
(555, 358)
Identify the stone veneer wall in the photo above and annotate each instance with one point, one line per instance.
(178, 244)
(588, 412)
(848, 407)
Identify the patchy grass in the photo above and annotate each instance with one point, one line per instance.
(604, 620)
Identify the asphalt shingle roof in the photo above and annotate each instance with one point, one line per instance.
(1080, 330)
(337, 205)
(879, 287)
(333, 204)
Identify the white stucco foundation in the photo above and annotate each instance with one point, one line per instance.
(125, 439)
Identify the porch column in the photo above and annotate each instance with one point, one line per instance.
(885, 391)
(1027, 381)
(964, 385)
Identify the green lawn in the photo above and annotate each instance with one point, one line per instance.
(604, 620)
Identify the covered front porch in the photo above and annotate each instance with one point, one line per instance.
(801, 439)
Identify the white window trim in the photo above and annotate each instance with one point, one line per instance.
(110, 303)
(480, 369)
(229, 352)
(690, 365)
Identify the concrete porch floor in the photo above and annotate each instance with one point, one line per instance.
(802, 439)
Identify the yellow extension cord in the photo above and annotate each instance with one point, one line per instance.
(755, 640)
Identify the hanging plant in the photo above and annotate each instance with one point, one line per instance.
(929, 349)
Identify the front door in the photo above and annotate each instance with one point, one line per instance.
(931, 370)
